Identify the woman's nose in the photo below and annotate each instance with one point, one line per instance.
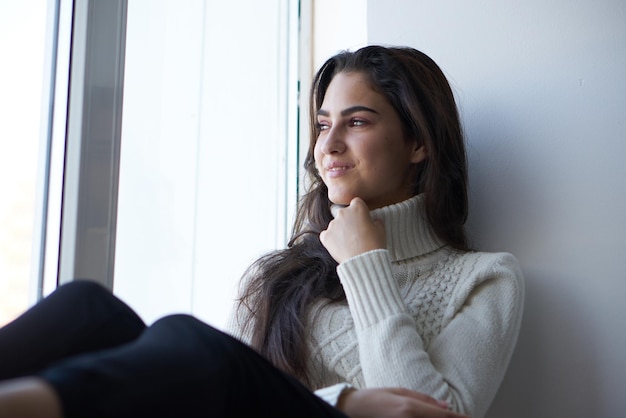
(333, 141)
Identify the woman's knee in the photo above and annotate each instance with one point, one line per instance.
(95, 302)
(82, 289)
(182, 326)
(188, 332)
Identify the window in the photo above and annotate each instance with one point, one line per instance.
(22, 40)
(207, 174)
(204, 99)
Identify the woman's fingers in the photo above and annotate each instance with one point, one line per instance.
(353, 232)
(422, 397)
(394, 403)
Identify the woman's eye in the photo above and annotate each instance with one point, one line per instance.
(357, 122)
(322, 126)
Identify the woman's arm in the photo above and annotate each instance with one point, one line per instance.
(465, 363)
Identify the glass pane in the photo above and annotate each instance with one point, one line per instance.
(22, 40)
(202, 155)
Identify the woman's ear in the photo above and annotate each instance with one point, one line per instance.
(419, 154)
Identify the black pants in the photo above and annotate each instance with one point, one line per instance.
(104, 362)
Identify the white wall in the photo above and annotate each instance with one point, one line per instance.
(542, 89)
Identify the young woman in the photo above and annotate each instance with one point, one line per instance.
(377, 308)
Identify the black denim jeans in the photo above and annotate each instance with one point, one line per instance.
(103, 361)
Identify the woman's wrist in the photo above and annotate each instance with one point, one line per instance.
(343, 397)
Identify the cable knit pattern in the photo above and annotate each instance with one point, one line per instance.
(418, 315)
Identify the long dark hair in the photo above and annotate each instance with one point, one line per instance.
(281, 286)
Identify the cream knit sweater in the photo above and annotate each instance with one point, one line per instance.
(419, 315)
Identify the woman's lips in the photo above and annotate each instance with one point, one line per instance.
(334, 170)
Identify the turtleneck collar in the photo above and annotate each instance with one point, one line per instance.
(409, 234)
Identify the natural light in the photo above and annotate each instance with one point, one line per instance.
(22, 39)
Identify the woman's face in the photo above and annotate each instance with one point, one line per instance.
(361, 150)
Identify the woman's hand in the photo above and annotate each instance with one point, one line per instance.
(392, 403)
(353, 232)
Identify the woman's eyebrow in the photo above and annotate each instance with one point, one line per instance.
(348, 111)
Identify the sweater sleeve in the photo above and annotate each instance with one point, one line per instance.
(465, 363)
(332, 393)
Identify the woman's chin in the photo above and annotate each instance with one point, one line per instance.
(340, 200)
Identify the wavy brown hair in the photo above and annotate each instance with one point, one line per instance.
(280, 287)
